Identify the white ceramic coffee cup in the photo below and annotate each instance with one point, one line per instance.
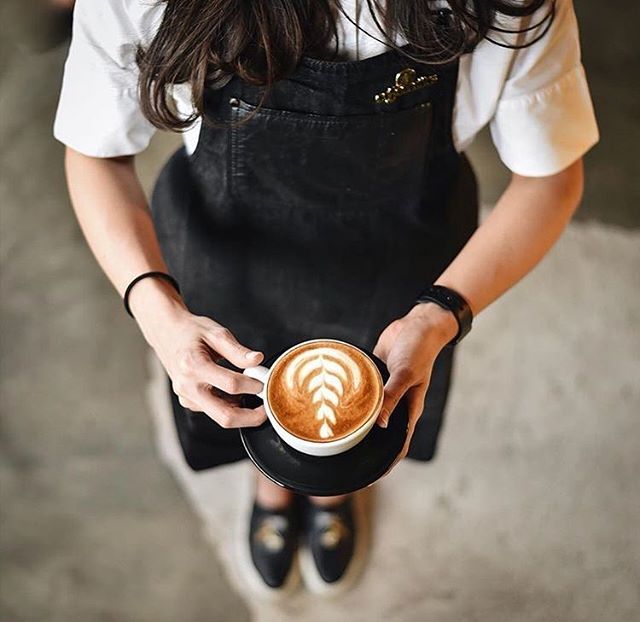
(313, 448)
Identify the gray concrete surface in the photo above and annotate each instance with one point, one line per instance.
(93, 527)
(529, 514)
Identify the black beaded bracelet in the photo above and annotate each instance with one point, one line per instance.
(162, 275)
(451, 300)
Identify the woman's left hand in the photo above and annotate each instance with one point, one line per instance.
(409, 346)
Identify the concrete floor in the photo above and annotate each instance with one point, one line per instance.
(530, 512)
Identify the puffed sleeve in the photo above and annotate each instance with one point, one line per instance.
(544, 118)
(98, 111)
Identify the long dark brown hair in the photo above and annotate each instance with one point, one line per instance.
(200, 42)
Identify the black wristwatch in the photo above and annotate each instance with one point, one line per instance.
(451, 300)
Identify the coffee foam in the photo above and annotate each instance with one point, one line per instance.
(323, 391)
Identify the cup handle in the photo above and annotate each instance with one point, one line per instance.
(259, 372)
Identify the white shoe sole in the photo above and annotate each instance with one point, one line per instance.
(312, 578)
(247, 577)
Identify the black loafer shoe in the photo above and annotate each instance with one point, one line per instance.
(333, 546)
(268, 555)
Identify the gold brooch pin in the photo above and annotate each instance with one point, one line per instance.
(406, 82)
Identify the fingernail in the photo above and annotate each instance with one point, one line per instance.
(385, 419)
(251, 354)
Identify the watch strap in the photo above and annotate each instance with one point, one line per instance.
(451, 300)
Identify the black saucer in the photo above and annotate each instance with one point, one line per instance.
(326, 475)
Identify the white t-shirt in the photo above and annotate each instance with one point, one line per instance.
(536, 100)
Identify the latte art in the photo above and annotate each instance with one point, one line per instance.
(327, 378)
(324, 390)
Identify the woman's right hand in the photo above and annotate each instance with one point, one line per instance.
(112, 210)
(188, 347)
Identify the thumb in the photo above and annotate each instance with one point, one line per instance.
(381, 348)
(395, 387)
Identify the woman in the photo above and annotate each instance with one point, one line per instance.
(338, 195)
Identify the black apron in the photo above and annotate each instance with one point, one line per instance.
(323, 216)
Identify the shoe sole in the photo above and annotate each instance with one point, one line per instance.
(246, 575)
(312, 578)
